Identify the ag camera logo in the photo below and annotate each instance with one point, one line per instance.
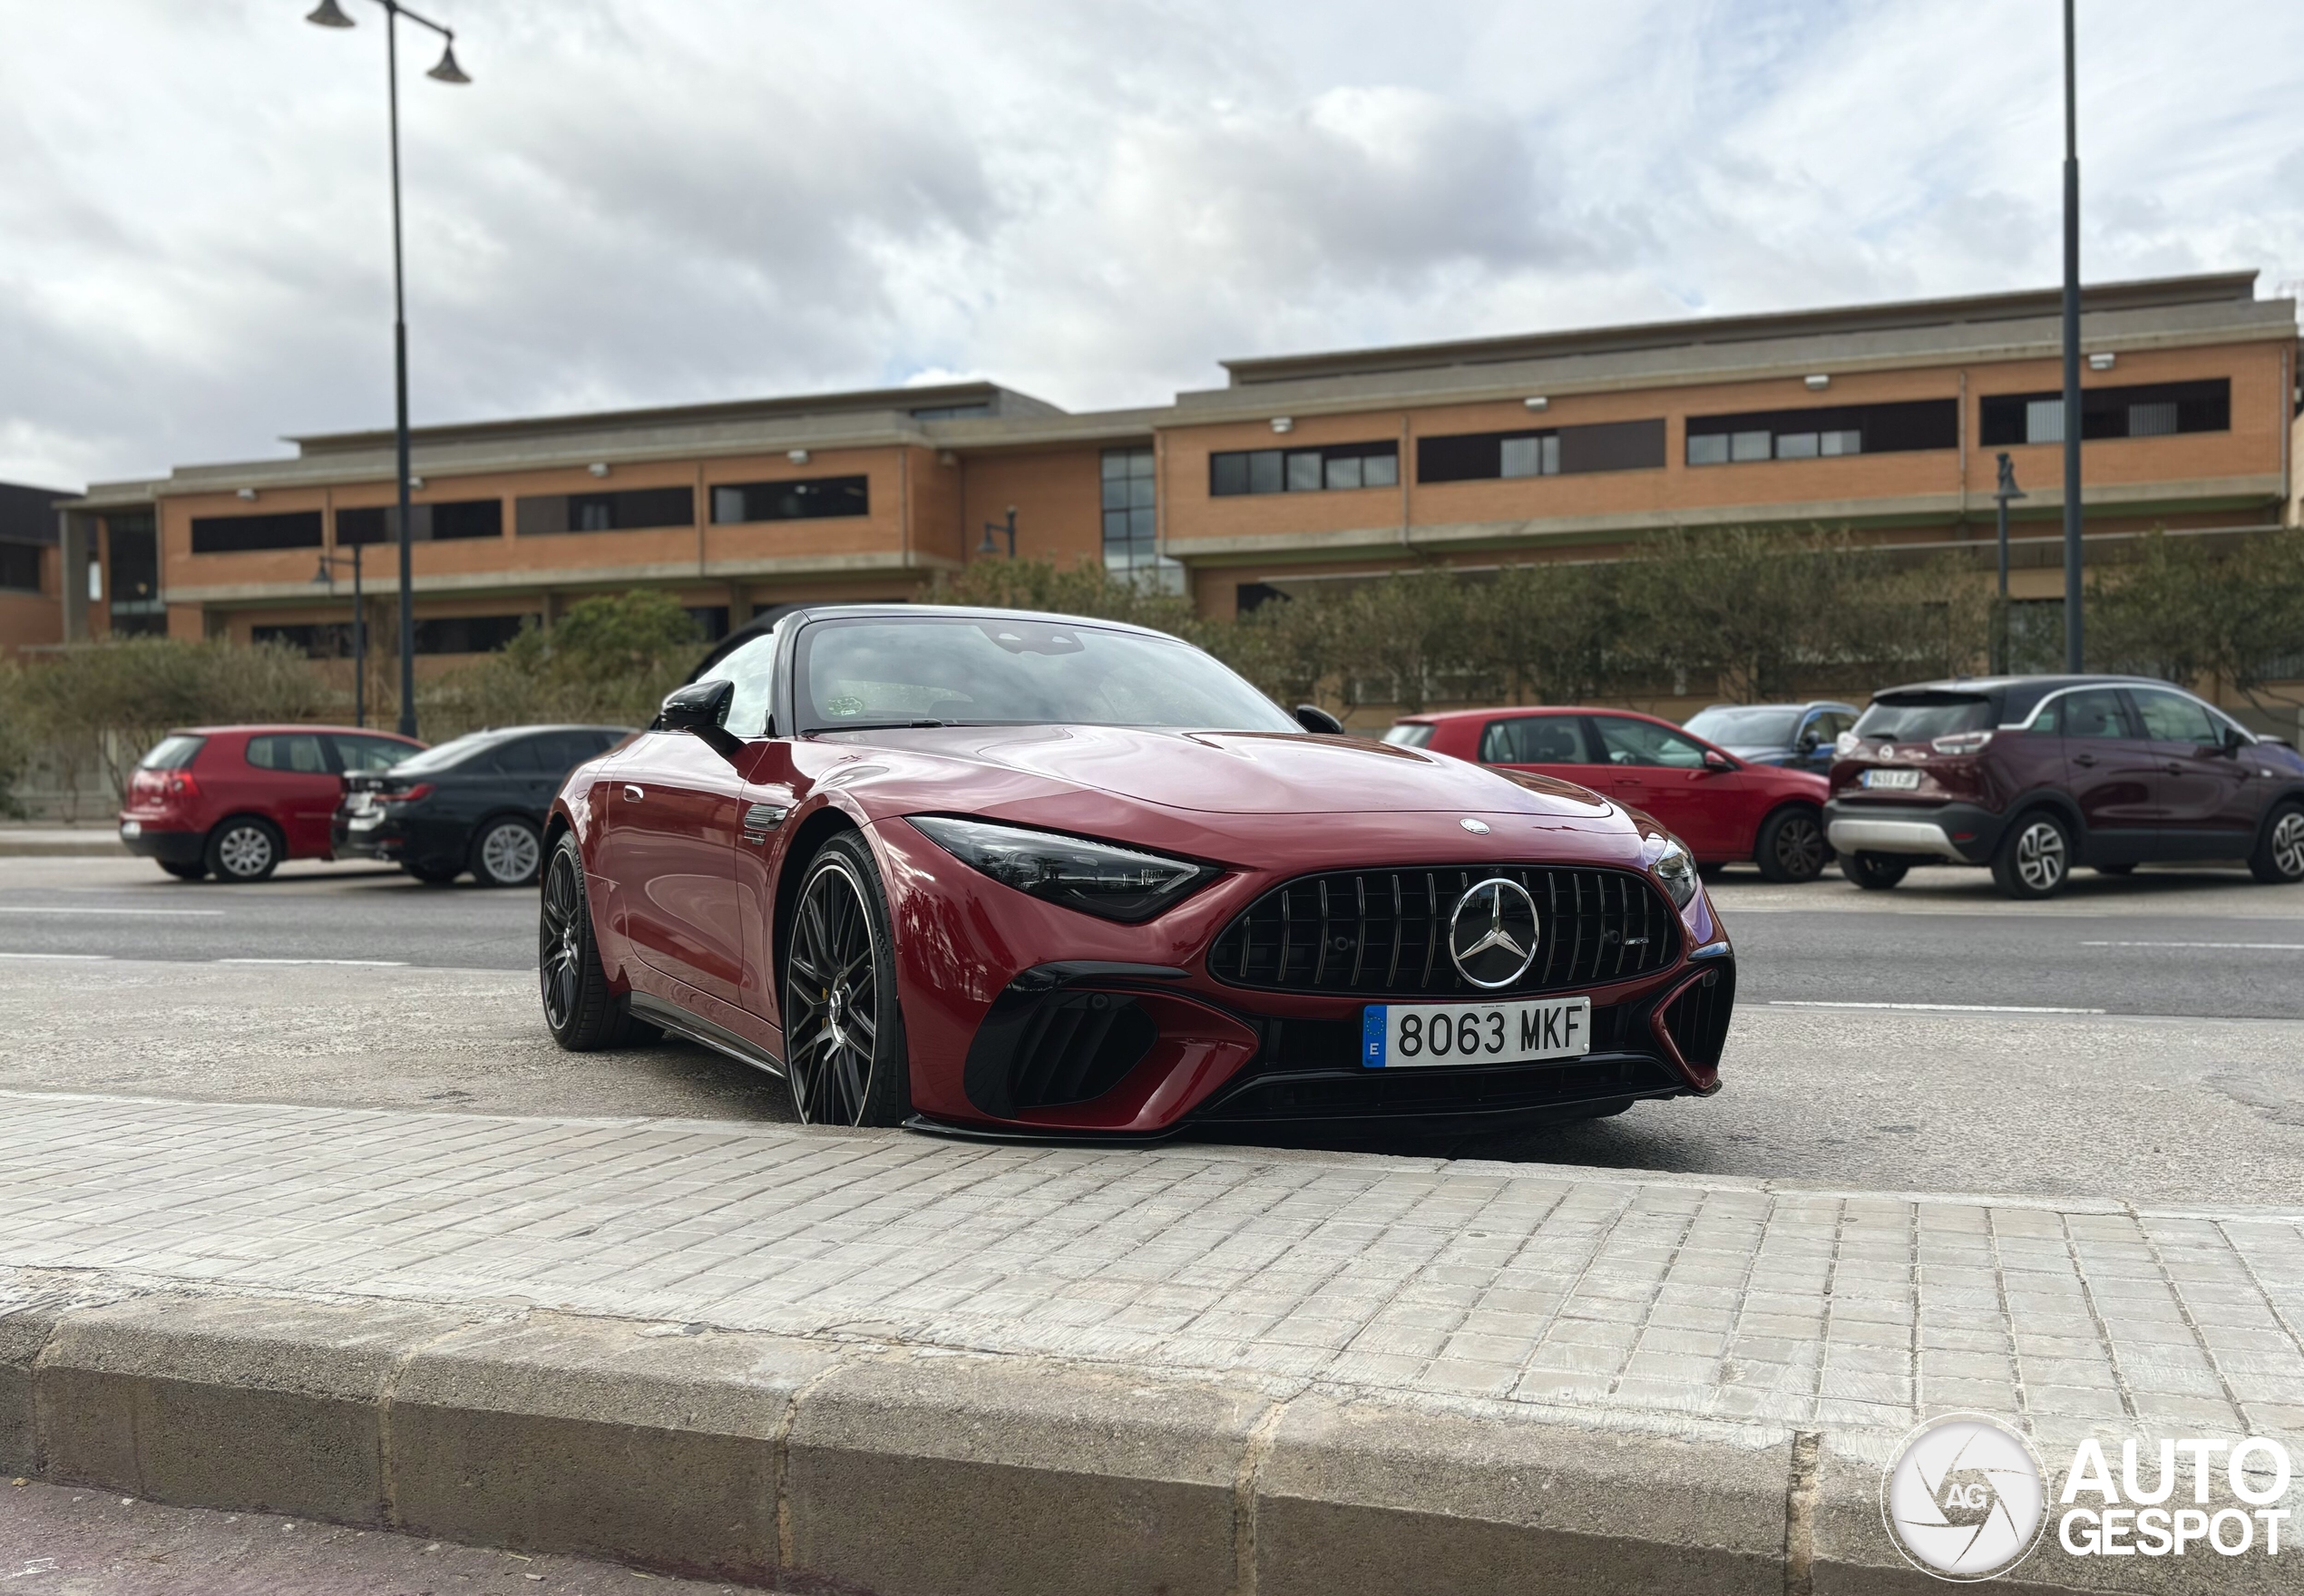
(1964, 1501)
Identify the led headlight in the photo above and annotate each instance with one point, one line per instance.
(1675, 872)
(1096, 878)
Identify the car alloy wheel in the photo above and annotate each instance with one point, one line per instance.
(844, 1034)
(2035, 860)
(1792, 848)
(509, 854)
(244, 852)
(560, 940)
(2279, 857)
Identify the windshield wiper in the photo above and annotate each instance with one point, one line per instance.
(880, 726)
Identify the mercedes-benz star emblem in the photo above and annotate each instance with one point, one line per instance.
(1492, 934)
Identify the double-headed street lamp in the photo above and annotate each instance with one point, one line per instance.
(329, 564)
(327, 15)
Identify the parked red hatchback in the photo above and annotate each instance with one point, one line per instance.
(1725, 808)
(234, 802)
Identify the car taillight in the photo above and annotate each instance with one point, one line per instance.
(1961, 742)
(421, 790)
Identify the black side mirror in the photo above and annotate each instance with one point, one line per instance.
(1314, 718)
(698, 709)
(1808, 740)
(2234, 739)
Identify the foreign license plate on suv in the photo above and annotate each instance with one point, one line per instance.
(1902, 781)
(1405, 1035)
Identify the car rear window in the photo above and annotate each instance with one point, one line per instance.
(1922, 717)
(370, 752)
(1534, 739)
(171, 753)
(447, 755)
(1411, 733)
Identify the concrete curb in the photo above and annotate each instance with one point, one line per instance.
(824, 1465)
(96, 845)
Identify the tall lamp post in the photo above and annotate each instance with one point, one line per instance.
(2075, 655)
(2005, 490)
(329, 564)
(327, 15)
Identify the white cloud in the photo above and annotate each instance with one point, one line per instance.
(683, 199)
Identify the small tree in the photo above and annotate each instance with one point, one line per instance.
(2185, 610)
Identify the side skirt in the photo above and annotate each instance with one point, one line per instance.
(703, 1032)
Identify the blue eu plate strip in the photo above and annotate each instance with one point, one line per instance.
(1371, 1036)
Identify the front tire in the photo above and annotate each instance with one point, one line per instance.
(2035, 859)
(2279, 859)
(582, 1012)
(1875, 872)
(1790, 847)
(844, 1031)
(185, 872)
(507, 853)
(244, 849)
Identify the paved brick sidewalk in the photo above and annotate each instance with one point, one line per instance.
(1672, 1306)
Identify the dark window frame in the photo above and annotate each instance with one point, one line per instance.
(839, 498)
(1903, 426)
(1640, 444)
(2106, 412)
(441, 521)
(624, 510)
(266, 532)
(1236, 474)
(17, 560)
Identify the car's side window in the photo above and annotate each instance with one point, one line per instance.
(299, 752)
(2170, 717)
(1641, 742)
(2092, 711)
(1534, 739)
(753, 670)
(522, 756)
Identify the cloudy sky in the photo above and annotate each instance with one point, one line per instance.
(659, 201)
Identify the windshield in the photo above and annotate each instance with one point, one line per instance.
(1747, 727)
(1925, 716)
(970, 671)
(445, 755)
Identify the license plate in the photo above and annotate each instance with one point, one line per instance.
(1409, 1036)
(131, 828)
(1902, 781)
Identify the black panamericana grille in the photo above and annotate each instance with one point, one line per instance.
(1384, 932)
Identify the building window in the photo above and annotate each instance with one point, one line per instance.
(1617, 445)
(2155, 410)
(1131, 522)
(470, 634)
(632, 510)
(242, 534)
(1304, 471)
(132, 549)
(321, 640)
(1824, 432)
(20, 566)
(711, 620)
(429, 523)
(811, 499)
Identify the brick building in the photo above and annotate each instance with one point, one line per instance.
(1884, 419)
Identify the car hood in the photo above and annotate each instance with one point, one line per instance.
(1250, 773)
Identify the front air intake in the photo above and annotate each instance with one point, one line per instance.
(1698, 1017)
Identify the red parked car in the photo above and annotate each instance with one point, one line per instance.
(234, 802)
(1726, 808)
(1030, 875)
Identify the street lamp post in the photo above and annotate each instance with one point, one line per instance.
(328, 563)
(327, 15)
(2005, 490)
(993, 529)
(2075, 655)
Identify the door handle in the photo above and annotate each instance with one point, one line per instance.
(2076, 759)
(632, 794)
(2173, 768)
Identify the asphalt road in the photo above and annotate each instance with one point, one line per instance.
(2140, 1039)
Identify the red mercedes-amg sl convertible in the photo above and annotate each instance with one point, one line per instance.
(1030, 875)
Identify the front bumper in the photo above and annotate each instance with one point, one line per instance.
(1958, 833)
(168, 847)
(1027, 1020)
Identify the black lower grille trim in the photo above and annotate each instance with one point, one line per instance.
(1698, 1017)
(1382, 933)
(1501, 1089)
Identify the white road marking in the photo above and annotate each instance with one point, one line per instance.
(62, 909)
(99, 957)
(2267, 946)
(1935, 1007)
(364, 963)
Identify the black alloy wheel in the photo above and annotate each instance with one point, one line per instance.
(844, 1034)
(2035, 859)
(2279, 859)
(1791, 846)
(1875, 872)
(507, 853)
(582, 1011)
(244, 849)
